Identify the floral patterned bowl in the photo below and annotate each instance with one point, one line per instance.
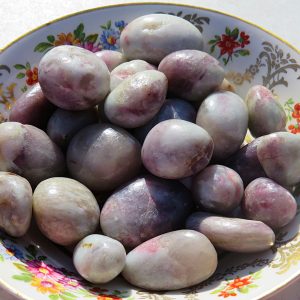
(34, 268)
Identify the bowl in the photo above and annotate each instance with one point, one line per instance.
(34, 268)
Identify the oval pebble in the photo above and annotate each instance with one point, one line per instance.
(98, 258)
(152, 37)
(171, 261)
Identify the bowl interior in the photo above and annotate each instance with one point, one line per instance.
(34, 268)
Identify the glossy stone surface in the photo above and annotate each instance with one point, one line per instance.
(171, 261)
(152, 37)
(233, 234)
(67, 87)
(15, 204)
(174, 149)
(192, 74)
(98, 258)
(65, 210)
(29, 152)
(267, 201)
(127, 69)
(266, 115)
(137, 99)
(218, 189)
(144, 208)
(279, 155)
(114, 157)
(224, 116)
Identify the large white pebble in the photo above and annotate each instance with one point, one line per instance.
(171, 261)
(152, 37)
(127, 69)
(99, 258)
(175, 149)
(137, 99)
(65, 210)
(224, 116)
(73, 78)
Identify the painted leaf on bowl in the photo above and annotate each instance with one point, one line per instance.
(4, 68)
(195, 19)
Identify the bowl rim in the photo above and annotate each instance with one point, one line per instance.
(12, 290)
(14, 41)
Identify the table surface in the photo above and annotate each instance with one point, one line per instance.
(280, 17)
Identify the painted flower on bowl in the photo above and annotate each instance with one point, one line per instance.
(108, 297)
(120, 25)
(244, 39)
(232, 43)
(32, 76)
(47, 285)
(293, 115)
(41, 270)
(227, 44)
(239, 285)
(239, 282)
(30, 73)
(70, 282)
(66, 39)
(92, 46)
(109, 38)
(226, 294)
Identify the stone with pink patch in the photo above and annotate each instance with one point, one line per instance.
(128, 69)
(218, 189)
(137, 99)
(171, 261)
(174, 149)
(28, 151)
(267, 201)
(73, 78)
(266, 115)
(192, 74)
(111, 58)
(32, 108)
(279, 155)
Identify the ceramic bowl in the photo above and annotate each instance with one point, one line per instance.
(34, 268)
